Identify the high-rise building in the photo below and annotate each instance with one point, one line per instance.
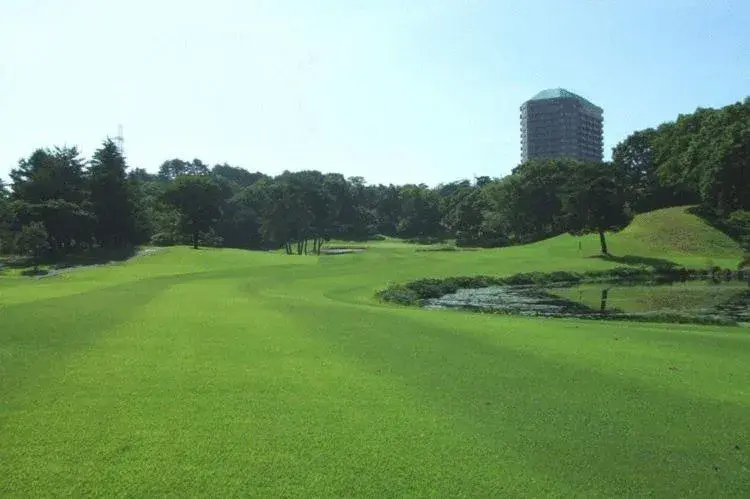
(559, 123)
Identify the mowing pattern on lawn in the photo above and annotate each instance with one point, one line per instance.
(226, 372)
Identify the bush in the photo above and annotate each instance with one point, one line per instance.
(432, 288)
(210, 239)
(628, 273)
(563, 276)
(162, 239)
(738, 224)
(424, 240)
(474, 282)
(438, 248)
(33, 241)
(464, 241)
(398, 294)
(527, 279)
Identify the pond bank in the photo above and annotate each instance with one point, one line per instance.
(713, 296)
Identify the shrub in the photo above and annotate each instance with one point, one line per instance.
(563, 276)
(162, 239)
(424, 240)
(432, 288)
(464, 241)
(738, 224)
(439, 248)
(210, 239)
(628, 273)
(527, 278)
(398, 294)
(32, 241)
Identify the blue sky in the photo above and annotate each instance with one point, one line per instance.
(393, 91)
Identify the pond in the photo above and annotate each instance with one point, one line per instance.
(727, 300)
(340, 251)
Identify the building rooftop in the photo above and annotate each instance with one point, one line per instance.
(561, 93)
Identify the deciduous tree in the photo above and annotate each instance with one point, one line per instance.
(50, 187)
(197, 200)
(594, 202)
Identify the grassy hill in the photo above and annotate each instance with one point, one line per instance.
(227, 372)
(671, 234)
(677, 231)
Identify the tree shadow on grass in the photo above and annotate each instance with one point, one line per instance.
(14, 262)
(97, 256)
(94, 256)
(655, 263)
(34, 272)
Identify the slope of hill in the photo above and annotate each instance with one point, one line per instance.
(676, 230)
(670, 235)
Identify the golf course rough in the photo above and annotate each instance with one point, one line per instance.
(227, 372)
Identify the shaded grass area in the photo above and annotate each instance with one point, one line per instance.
(24, 266)
(92, 256)
(736, 225)
(236, 373)
(655, 263)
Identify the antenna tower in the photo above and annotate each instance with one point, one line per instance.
(120, 140)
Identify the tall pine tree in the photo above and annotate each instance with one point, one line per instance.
(111, 197)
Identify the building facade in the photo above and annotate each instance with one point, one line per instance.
(559, 123)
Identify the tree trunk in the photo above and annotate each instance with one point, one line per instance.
(305, 245)
(603, 242)
(603, 304)
(195, 240)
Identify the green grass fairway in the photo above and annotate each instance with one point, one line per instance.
(224, 372)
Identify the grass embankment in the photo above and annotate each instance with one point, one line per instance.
(221, 372)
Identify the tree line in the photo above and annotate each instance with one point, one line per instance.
(59, 202)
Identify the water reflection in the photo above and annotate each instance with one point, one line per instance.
(728, 300)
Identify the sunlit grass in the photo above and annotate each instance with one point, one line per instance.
(225, 372)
